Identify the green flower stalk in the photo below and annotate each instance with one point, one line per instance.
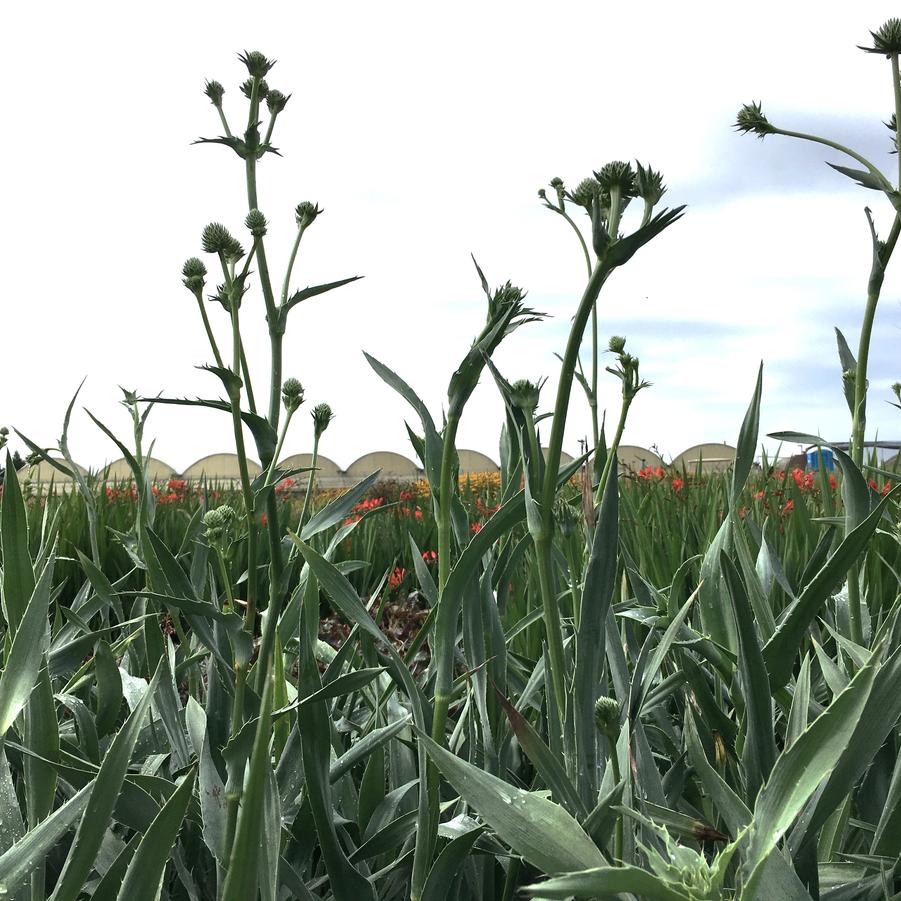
(751, 120)
(322, 416)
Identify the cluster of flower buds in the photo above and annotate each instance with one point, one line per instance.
(626, 369)
(255, 89)
(322, 416)
(605, 195)
(4, 435)
(896, 389)
(219, 524)
(292, 394)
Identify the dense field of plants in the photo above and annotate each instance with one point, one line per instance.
(555, 682)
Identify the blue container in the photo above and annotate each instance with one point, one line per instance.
(813, 459)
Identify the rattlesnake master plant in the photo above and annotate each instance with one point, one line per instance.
(751, 119)
(609, 691)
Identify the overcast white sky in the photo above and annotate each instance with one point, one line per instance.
(425, 130)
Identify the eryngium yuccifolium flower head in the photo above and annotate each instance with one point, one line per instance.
(276, 101)
(649, 185)
(256, 223)
(218, 522)
(215, 92)
(524, 395)
(750, 119)
(617, 175)
(897, 389)
(305, 213)
(606, 716)
(617, 344)
(887, 38)
(257, 64)
(193, 273)
(292, 394)
(217, 238)
(322, 416)
(262, 89)
(505, 296)
(585, 192)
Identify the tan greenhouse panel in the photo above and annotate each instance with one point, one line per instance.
(706, 457)
(220, 466)
(392, 466)
(473, 461)
(120, 471)
(329, 474)
(43, 473)
(632, 458)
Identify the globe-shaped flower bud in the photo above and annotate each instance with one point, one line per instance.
(887, 39)
(292, 394)
(585, 193)
(262, 89)
(322, 416)
(257, 64)
(193, 273)
(256, 223)
(217, 238)
(215, 92)
(276, 101)
(617, 344)
(751, 120)
(606, 716)
(556, 183)
(617, 175)
(524, 395)
(305, 213)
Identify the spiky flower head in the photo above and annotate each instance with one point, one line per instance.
(896, 387)
(262, 89)
(305, 213)
(585, 193)
(217, 238)
(256, 223)
(617, 175)
(257, 64)
(606, 716)
(292, 394)
(215, 92)
(542, 193)
(276, 101)
(193, 273)
(750, 119)
(524, 395)
(322, 416)
(4, 432)
(504, 297)
(886, 39)
(617, 344)
(649, 185)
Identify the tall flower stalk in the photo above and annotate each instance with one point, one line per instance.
(751, 120)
